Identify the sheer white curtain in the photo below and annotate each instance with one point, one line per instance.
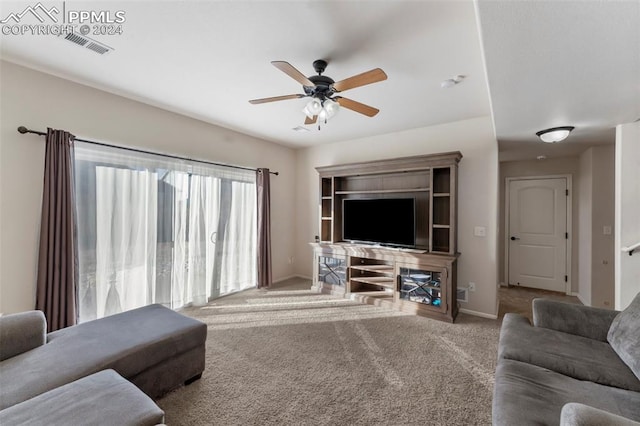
(157, 230)
(240, 248)
(126, 239)
(194, 237)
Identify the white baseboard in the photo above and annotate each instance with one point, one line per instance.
(478, 314)
(580, 299)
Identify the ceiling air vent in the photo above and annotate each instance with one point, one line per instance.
(98, 48)
(88, 43)
(77, 39)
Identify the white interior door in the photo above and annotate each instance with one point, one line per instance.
(537, 235)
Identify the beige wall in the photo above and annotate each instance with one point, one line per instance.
(553, 166)
(627, 212)
(38, 101)
(592, 175)
(602, 214)
(478, 194)
(585, 226)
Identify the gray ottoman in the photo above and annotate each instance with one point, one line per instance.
(104, 398)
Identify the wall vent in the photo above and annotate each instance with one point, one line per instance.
(463, 295)
(88, 43)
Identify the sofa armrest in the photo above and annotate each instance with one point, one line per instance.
(21, 332)
(575, 319)
(575, 414)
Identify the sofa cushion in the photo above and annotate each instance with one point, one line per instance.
(624, 335)
(575, 414)
(21, 332)
(129, 343)
(104, 398)
(585, 321)
(526, 394)
(574, 356)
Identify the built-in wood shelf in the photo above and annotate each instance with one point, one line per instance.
(385, 276)
(417, 283)
(383, 281)
(375, 294)
(430, 180)
(382, 191)
(381, 269)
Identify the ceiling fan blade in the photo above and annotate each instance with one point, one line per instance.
(292, 72)
(357, 106)
(363, 79)
(275, 98)
(311, 120)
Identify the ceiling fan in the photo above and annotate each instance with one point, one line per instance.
(322, 90)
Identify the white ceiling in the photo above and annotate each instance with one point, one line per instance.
(549, 63)
(561, 63)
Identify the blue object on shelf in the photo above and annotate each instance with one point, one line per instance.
(435, 302)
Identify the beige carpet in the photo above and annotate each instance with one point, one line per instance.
(293, 357)
(519, 299)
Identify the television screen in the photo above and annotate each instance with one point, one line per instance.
(388, 221)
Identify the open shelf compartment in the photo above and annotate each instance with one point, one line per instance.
(420, 286)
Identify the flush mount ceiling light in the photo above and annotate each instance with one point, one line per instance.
(450, 82)
(554, 134)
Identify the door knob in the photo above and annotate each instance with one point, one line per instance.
(514, 238)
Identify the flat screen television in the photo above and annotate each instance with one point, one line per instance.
(386, 221)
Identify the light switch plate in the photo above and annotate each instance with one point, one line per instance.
(480, 231)
(606, 230)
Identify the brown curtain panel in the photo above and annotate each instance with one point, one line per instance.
(264, 227)
(57, 262)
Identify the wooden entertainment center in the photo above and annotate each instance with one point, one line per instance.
(420, 279)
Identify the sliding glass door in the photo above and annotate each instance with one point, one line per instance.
(156, 230)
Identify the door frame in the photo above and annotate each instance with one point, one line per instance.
(569, 266)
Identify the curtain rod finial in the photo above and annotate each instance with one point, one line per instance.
(22, 130)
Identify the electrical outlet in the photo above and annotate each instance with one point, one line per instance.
(472, 287)
(291, 260)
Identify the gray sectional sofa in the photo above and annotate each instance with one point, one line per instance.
(575, 365)
(153, 348)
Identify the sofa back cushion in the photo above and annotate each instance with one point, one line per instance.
(21, 332)
(624, 335)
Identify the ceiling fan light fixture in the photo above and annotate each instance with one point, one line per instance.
(554, 134)
(330, 107)
(313, 107)
(322, 117)
(321, 88)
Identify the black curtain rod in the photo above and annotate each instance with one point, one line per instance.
(24, 130)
